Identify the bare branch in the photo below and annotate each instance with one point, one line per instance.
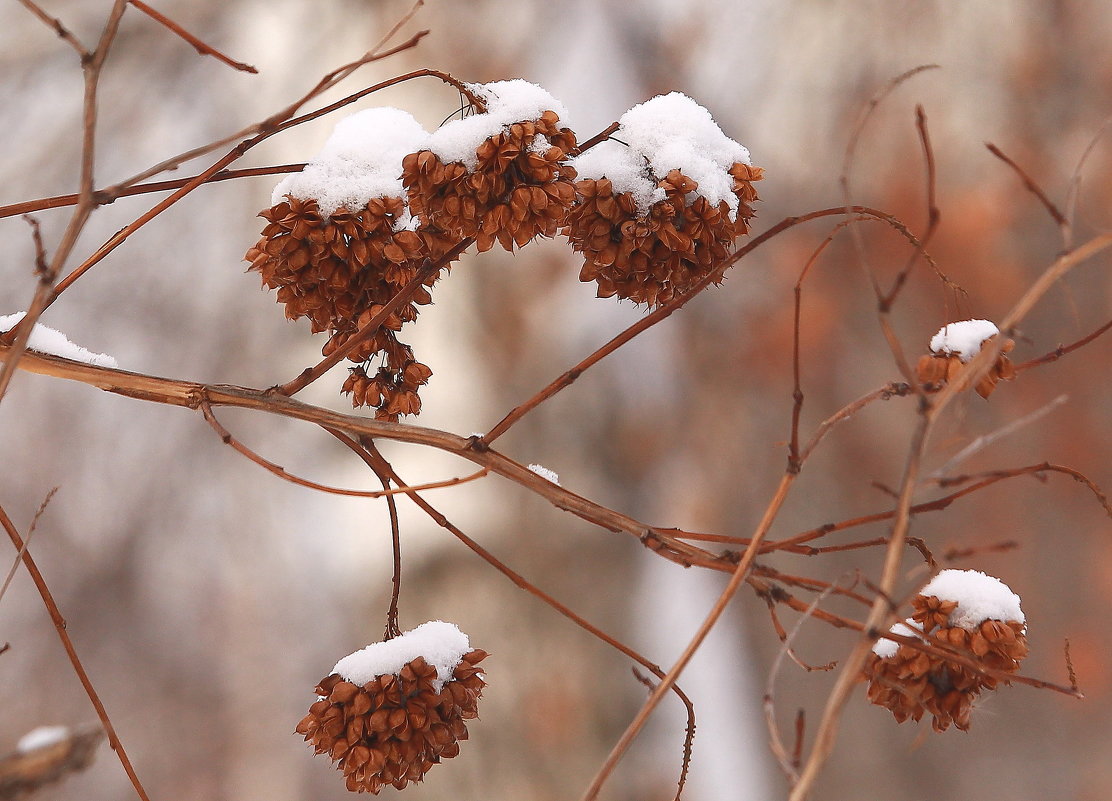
(198, 45)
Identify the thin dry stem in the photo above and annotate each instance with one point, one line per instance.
(71, 652)
(200, 46)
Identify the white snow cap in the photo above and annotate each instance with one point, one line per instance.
(441, 644)
(48, 340)
(42, 737)
(361, 160)
(886, 649)
(668, 132)
(545, 473)
(979, 597)
(507, 102)
(963, 339)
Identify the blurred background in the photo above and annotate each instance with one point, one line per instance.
(206, 597)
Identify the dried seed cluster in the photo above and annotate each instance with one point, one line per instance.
(911, 682)
(957, 343)
(393, 728)
(651, 257)
(339, 272)
(520, 186)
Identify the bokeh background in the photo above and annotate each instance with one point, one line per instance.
(207, 597)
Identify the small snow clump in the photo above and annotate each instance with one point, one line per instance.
(545, 473)
(668, 132)
(441, 644)
(506, 102)
(41, 737)
(361, 160)
(963, 339)
(979, 597)
(886, 649)
(51, 341)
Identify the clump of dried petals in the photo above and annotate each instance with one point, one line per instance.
(520, 186)
(652, 257)
(393, 728)
(339, 272)
(912, 681)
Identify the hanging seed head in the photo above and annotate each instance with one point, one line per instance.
(659, 206)
(963, 611)
(500, 175)
(957, 343)
(340, 243)
(390, 712)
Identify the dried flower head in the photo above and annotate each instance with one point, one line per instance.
(962, 611)
(499, 175)
(660, 204)
(957, 343)
(340, 243)
(388, 713)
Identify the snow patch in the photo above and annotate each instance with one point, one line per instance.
(963, 339)
(42, 737)
(49, 340)
(979, 597)
(441, 644)
(545, 473)
(886, 649)
(361, 160)
(668, 132)
(507, 102)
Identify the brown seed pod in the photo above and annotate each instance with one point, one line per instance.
(519, 186)
(340, 271)
(391, 729)
(957, 343)
(651, 257)
(911, 682)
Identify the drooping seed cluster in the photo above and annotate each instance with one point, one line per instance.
(912, 682)
(392, 729)
(650, 258)
(339, 272)
(519, 188)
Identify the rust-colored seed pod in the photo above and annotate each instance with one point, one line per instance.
(393, 728)
(339, 272)
(911, 682)
(650, 258)
(519, 188)
(937, 368)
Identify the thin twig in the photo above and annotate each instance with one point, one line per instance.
(200, 46)
(790, 766)
(985, 440)
(281, 472)
(1032, 187)
(56, 25)
(67, 644)
(41, 268)
(26, 541)
(103, 198)
(1062, 350)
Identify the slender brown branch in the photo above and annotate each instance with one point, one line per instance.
(285, 475)
(1062, 350)
(71, 652)
(104, 198)
(1032, 187)
(894, 389)
(736, 579)
(200, 46)
(56, 25)
(26, 541)
(41, 268)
